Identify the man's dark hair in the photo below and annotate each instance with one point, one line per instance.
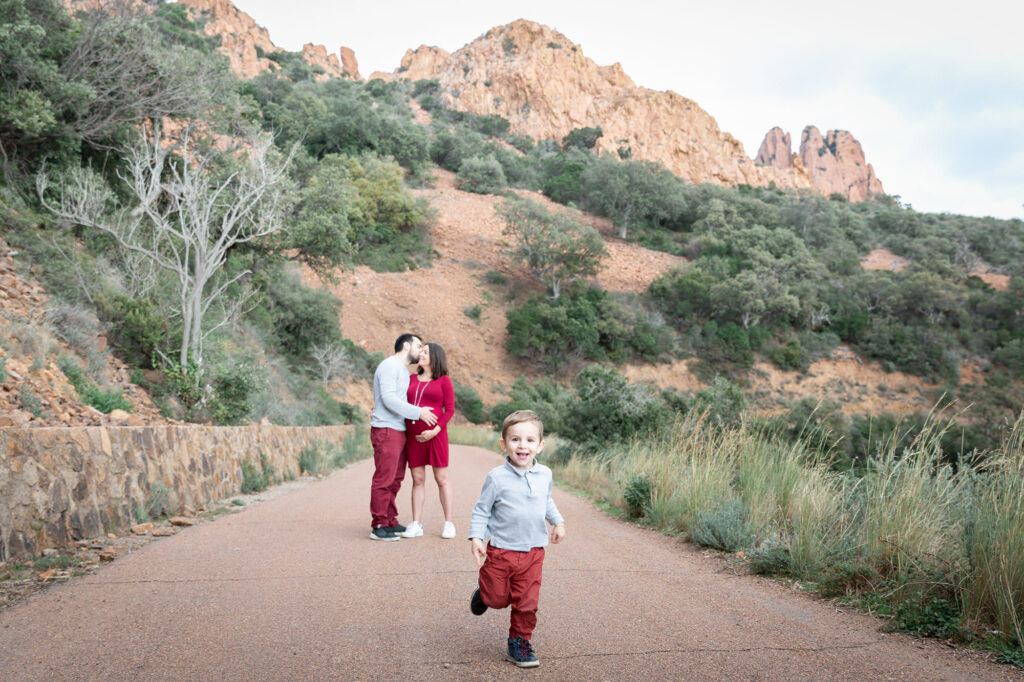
(404, 339)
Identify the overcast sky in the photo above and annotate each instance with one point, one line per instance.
(934, 91)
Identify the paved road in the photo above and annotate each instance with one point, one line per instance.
(293, 589)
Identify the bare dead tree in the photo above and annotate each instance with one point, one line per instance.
(334, 362)
(183, 218)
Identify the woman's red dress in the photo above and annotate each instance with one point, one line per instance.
(440, 395)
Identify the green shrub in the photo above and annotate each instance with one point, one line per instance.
(609, 409)
(482, 175)
(925, 606)
(582, 138)
(234, 388)
(138, 328)
(29, 401)
(318, 458)
(473, 312)
(469, 404)
(256, 477)
(725, 527)
(106, 401)
(496, 278)
(637, 496)
(302, 317)
(549, 400)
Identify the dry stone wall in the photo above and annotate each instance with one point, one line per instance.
(59, 485)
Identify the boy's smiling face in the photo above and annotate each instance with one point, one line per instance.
(522, 442)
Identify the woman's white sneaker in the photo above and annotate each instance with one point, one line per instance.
(449, 530)
(413, 530)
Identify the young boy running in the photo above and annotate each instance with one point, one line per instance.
(513, 505)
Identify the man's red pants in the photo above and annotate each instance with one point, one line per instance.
(513, 578)
(388, 474)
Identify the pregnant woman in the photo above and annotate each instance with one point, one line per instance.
(429, 445)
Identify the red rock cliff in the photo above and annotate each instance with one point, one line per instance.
(544, 84)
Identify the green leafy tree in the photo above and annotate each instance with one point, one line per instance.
(558, 248)
(320, 234)
(632, 192)
(481, 174)
(609, 409)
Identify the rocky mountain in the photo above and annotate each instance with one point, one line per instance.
(545, 86)
(835, 163)
(241, 36)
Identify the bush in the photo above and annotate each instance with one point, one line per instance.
(138, 328)
(469, 404)
(582, 322)
(549, 400)
(608, 409)
(106, 401)
(234, 388)
(302, 318)
(481, 174)
(582, 138)
(75, 324)
(255, 479)
(637, 496)
(725, 527)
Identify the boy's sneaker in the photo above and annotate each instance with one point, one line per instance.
(476, 604)
(413, 530)
(397, 530)
(383, 533)
(448, 532)
(521, 653)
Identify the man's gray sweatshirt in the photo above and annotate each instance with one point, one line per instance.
(390, 390)
(513, 506)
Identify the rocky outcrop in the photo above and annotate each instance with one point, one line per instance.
(349, 63)
(836, 164)
(243, 40)
(776, 149)
(316, 55)
(239, 34)
(61, 485)
(423, 63)
(546, 87)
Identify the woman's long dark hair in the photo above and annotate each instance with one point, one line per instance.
(438, 361)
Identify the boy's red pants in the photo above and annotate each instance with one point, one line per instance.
(513, 578)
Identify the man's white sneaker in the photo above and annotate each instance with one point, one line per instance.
(449, 530)
(413, 530)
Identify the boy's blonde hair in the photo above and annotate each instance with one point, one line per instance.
(518, 417)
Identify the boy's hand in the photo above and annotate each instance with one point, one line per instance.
(557, 533)
(479, 551)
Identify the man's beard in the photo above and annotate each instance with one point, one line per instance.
(411, 359)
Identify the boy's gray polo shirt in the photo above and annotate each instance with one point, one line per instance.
(390, 387)
(513, 506)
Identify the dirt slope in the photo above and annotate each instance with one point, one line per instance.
(467, 236)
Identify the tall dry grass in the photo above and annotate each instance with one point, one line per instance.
(909, 522)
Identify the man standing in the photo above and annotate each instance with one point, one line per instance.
(387, 434)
